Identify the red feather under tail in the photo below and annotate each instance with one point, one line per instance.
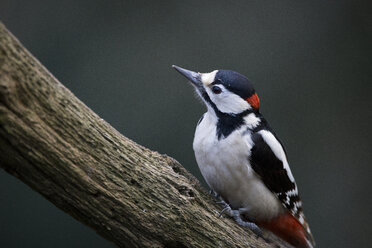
(287, 227)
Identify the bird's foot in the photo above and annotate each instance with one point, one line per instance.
(252, 226)
(236, 214)
(225, 207)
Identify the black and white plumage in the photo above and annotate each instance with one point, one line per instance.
(241, 158)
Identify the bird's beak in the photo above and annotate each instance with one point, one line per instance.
(194, 77)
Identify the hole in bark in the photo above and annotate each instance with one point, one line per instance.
(191, 193)
(185, 191)
(135, 183)
(176, 169)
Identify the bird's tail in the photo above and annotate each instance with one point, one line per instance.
(287, 227)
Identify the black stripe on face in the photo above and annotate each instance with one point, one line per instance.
(227, 123)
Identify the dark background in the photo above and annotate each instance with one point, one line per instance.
(310, 62)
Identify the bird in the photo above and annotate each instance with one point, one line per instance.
(242, 159)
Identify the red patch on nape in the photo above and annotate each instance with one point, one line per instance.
(254, 101)
(287, 227)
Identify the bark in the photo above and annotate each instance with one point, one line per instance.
(127, 193)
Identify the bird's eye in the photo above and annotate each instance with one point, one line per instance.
(216, 90)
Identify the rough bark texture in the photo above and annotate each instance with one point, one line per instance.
(130, 195)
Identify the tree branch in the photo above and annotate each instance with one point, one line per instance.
(127, 193)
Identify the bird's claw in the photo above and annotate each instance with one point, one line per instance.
(223, 210)
(225, 207)
(236, 214)
(252, 226)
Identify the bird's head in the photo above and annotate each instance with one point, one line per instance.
(223, 91)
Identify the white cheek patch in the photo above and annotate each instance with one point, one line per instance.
(228, 102)
(208, 78)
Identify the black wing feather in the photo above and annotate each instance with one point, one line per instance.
(273, 174)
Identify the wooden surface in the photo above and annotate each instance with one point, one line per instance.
(127, 193)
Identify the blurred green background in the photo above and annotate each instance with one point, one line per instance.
(310, 62)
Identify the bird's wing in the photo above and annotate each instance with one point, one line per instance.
(269, 161)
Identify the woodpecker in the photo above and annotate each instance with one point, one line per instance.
(241, 158)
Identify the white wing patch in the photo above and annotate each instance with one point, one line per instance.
(277, 149)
